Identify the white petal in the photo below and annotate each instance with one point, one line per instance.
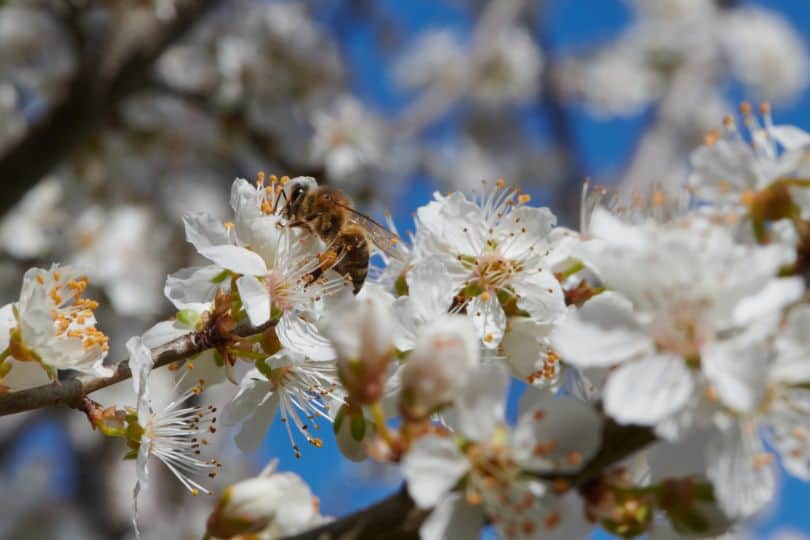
(303, 337)
(489, 319)
(792, 345)
(431, 289)
(253, 389)
(557, 434)
(790, 137)
(140, 362)
(254, 429)
(236, 259)
(738, 371)
(540, 295)
(743, 483)
(685, 457)
(432, 467)
(602, 333)
(203, 231)
(255, 298)
(648, 391)
(773, 298)
(453, 519)
(24, 375)
(790, 425)
(524, 230)
(190, 287)
(526, 351)
(164, 332)
(480, 404)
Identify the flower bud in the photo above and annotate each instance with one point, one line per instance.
(438, 367)
(362, 339)
(282, 501)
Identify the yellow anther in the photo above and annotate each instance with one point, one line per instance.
(523, 199)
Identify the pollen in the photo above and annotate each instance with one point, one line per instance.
(524, 198)
(501, 183)
(552, 520)
(762, 460)
(485, 296)
(710, 138)
(228, 225)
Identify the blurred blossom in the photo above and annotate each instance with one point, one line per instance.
(124, 251)
(348, 140)
(507, 67)
(28, 60)
(766, 53)
(435, 57)
(31, 228)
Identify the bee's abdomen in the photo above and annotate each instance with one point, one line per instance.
(353, 248)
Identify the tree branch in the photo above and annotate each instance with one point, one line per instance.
(71, 393)
(397, 517)
(101, 81)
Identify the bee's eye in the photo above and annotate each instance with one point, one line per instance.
(298, 192)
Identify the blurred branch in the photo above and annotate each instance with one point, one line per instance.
(659, 147)
(72, 392)
(566, 198)
(111, 66)
(397, 517)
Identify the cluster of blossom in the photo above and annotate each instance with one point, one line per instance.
(682, 315)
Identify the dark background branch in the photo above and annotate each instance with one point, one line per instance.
(110, 68)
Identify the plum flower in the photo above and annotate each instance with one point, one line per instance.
(298, 389)
(272, 503)
(728, 170)
(689, 309)
(490, 465)
(737, 463)
(54, 324)
(269, 263)
(171, 432)
(494, 253)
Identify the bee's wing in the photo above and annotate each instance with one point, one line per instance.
(385, 240)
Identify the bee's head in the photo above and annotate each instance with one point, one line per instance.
(295, 192)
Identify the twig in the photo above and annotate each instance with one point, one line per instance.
(72, 392)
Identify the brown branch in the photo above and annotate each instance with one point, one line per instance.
(397, 517)
(109, 70)
(72, 392)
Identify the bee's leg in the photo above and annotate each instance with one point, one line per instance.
(354, 258)
(326, 261)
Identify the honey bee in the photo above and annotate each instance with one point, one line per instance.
(328, 213)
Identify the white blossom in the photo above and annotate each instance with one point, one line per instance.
(492, 462)
(299, 390)
(494, 251)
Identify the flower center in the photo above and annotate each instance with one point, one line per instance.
(491, 271)
(279, 288)
(683, 330)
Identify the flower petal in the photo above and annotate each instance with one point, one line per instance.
(255, 299)
(432, 467)
(648, 391)
(254, 429)
(193, 287)
(203, 231)
(253, 390)
(602, 333)
(453, 519)
(540, 295)
(489, 319)
(480, 405)
(556, 434)
(743, 481)
(737, 370)
(236, 259)
(303, 337)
